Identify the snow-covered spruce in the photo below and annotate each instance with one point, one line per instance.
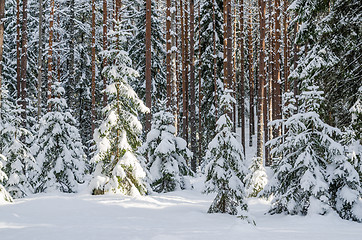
(166, 154)
(256, 178)
(20, 167)
(4, 195)
(58, 148)
(300, 184)
(118, 170)
(225, 169)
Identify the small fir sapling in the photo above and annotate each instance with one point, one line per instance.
(58, 148)
(118, 170)
(167, 155)
(256, 179)
(225, 166)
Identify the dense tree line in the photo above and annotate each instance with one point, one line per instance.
(141, 94)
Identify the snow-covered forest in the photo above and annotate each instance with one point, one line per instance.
(180, 119)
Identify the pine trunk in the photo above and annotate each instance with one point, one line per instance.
(2, 15)
(251, 79)
(215, 58)
(261, 93)
(93, 83)
(50, 52)
(168, 53)
(148, 63)
(105, 44)
(40, 56)
(185, 73)
(24, 58)
(241, 80)
(18, 50)
(192, 87)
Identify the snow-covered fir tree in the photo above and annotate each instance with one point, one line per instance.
(117, 138)
(300, 184)
(58, 148)
(167, 155)
(225, 169)
(4, 195)
(256, 179)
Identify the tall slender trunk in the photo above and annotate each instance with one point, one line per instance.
(200, 90)
(148, 63)
(261, 93)
(229, 45)
(105, 45)
(251, 79)
(18, 50)
(225, 2)
(185, 84)
(277, 79)
(93, 83)
(40, 56)
(174, 93)
(71, 54)
(168, 53)
(24, 58)
(2, 15)
(241, 80)
(50, 52)
(192, 86)
(286, 45)
(215, 57)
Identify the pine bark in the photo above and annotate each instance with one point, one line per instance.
(251, 79)
(40, 56)
(148, 63)
(105, 45)
(18, 50)
(50, 51)
(184, 23)
(2, 15)
(277, 79)
(24, 58)
(241, 80)
(215, 58)
(192, 86)
(168, 53)
(261, 89)
(93, 84)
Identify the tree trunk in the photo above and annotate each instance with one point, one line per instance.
(276, 82)
(192, 87)
(40, 56)
(105, 44)
(18, 50)
(71, 54)
(93, 84)
(168, 53)
(24, 58)
(2, 15)
(185, 75)
(241, 80)
(286, 45)
(251, 79)
(215, 58)
(50, 52)
(200, 91)
(261, 93)
(148, 63)
(229, 45)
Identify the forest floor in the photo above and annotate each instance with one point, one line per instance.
(173, 216)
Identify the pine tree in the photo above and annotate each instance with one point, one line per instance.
(300, 183)
(137, 50)
(225, 169)
(167, 154)
(118, 170)
(58, 148)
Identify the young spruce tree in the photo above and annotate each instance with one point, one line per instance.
(167, 154)
(58, 148)
(225, 169)
(118, 170)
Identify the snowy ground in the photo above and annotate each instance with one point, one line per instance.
(172, 216)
